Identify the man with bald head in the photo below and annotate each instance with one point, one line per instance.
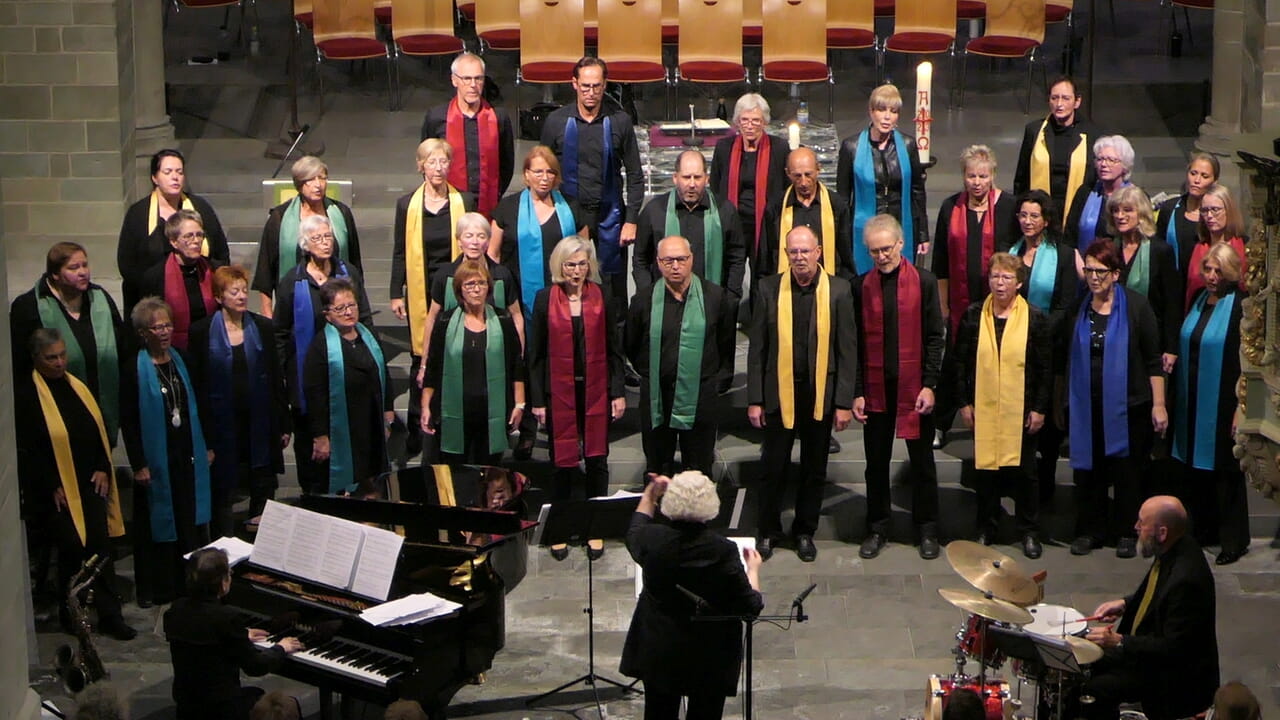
(709, 223)
(800, 384)
(810, 203)
(680, 339)
(1164, 649)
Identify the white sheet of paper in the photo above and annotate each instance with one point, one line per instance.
(274, 530)
(237, 550)
(338, 558)
(377, 563)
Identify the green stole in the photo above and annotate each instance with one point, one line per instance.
(288, 240)
(104, 337)
(1139, 279)
(341, 470)
(712, 236)
(693, 328)
(451, 402)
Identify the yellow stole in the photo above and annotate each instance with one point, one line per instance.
(153, 216)
(415, 271)
(1040, 167)
(828, 231)
(786, 373)
(998, 397)
(61, 442)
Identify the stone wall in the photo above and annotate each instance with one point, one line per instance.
(66, 126)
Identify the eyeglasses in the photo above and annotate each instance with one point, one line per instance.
(436, 163)
(801, 252)
(475, 284)
(1004, 277)
(321, 237)
(575, 264)
(159, 328)
(469, 79)
(754, 121)
(1213, 211)
(544, 172)
(342, 309)
(1107, 160)
(590, 87)
(1097, 271)
(1030, 216)
(674, 260)
(881, 250)
(188, 237)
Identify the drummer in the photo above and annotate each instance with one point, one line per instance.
(1163, 651)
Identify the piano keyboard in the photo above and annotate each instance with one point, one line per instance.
(348, 658)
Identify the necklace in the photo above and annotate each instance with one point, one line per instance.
(171, 387)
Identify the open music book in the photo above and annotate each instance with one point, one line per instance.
(327, 550)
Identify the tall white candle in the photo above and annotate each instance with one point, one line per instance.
(793, 135)
(924, 103)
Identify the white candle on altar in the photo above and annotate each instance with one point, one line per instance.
(924, 103)
(793, 135)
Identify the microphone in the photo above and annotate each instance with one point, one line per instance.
(798, 603)
(698, 603)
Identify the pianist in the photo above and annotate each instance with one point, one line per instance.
(210, 646)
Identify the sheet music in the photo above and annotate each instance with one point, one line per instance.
(305, 544)
(237, 550)
(408, 610)
(377, 563)
(341, 548)
(274, 531)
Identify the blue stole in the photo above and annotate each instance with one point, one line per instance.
(1044, 273)
(1208, 381)
(1093, 207)
(532, 257)
(226, 456)
(155, 447)
(1115, 384)
(1171, 233)
(610, 217)
(341, 473)
(304, 328)
(864, 198)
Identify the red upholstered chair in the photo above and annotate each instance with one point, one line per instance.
(922, 27)
(382, 11)
(1056, 11)
(344, 30)
(971, 9)
(423, 28)
(713, 54)
(885, 8)
(851, 25)
(631, 42)
(752, 23)
(498, 24)
(591, 23)
(1015, 29)
(551, 42)
(670, 22)
(795, 45)
(467, 10)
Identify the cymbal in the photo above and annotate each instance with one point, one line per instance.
(1086, 651)
(991, 608)
(991, 571)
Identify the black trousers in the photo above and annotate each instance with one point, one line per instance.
(1111, 682)
(413, 417)
(72, 554)
(261, 484)
(697, 444)
(1048, 443)
(660, 705)
(1024, 486)
(1218, 502)
(310, 477)
(159, 571)
(614, 285)
(1097, 515)
(775, 456)
(877, 441)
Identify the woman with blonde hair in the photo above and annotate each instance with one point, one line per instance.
(1147, 265)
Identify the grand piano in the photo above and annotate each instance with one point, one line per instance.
(465, 540)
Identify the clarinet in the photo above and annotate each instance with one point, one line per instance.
(79, 670)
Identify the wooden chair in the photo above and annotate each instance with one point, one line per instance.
(382, 11)
(1015, 29)
(670, 22)
(551, 40)
(344, 30)
(467, 10)
(631, 43)
(885, 8)
(752, 22)
(303, 15)
(591, 23)
(971, 9)
(922, 27)
(498, 24)
(795, 45)
(423, 28)
(851, 25)
(713, 54)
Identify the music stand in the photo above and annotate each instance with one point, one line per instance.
(573, 522)
(1043, 651)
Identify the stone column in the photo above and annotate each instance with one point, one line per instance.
(152, 129)
(1229, 63)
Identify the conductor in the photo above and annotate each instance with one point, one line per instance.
(687, 568)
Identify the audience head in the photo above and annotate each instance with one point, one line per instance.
(564, 252)
(315, 237)
(1219, 215)
(691, 497)
(1113, 157)
(100, 701)
(1235, 701)
(405, 710)
(1162, 520)
(1129, 209)
(1038, 215)
(208, 574)
(276, 705)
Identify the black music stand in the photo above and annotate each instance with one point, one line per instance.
(573, 522)
(1041, 651)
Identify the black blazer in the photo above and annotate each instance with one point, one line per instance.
(1175, 649)
(776, 177)
(766, 261)
(889, 182)
(1164, 291)
(1066, 289)
(1187, 232)
(717, 350)
(664, 646)
(137, 250)
(762, 352)
(1037, 375)
(652, 228)
(266, 273)
(1144, 346)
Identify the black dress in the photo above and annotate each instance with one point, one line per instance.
(507, 217)
(366, 403)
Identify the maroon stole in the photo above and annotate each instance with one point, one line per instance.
(487, 119)
(958, 251)
(762, 179)
(910, 347)
(561, 388)
(175, 293)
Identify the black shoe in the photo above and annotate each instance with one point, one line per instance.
(929, 547)
(986, 537)
(118, 629)
(524, 446)
(1031, 547)
(412, 446)
(1127, 547)
(595, 553)
(560, 553)
(764, 546)
(805, 549)
(834, 446)
(145, 603)
(1082, 545)
(940, 440)
(1226, 557)
(872, 546)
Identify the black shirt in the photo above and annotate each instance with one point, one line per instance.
(507, 217)
(435, 125)
(652, 228)
(626, 155)
(801, 320)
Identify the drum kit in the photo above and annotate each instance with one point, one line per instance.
(1006, 620)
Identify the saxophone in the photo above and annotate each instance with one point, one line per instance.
(78, 671)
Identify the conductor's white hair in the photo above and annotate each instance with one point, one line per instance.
(691, 497)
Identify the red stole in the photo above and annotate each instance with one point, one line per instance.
(910, 347)
(958, 252)
(562, 389)
(1195, 281)
(175, 293)
(762, 179)
(487, 120)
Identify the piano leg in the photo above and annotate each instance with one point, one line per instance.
(326, 704)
